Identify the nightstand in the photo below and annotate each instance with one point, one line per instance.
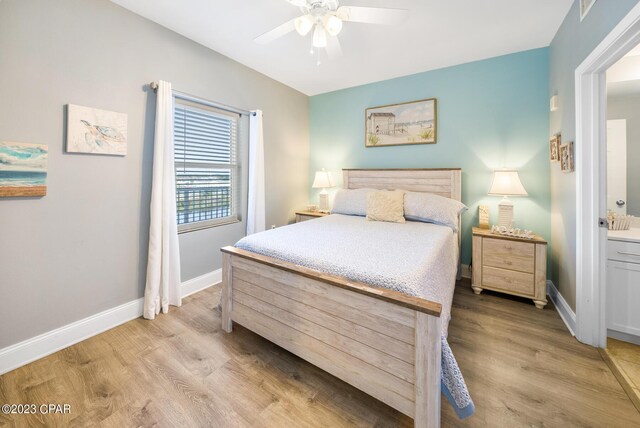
(510, 265)
(308, 215)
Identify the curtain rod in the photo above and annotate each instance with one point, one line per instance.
(192, 98)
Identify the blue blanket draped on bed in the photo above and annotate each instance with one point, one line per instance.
(453, 386)
(424, 264)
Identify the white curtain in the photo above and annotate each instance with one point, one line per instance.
(256, 205)
(163, 268)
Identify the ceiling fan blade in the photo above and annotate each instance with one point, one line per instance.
(371, 15)
(334, 50)
(298, 3)
(277, 32)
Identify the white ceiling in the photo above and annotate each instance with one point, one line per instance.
(623, 77)
(436, 34)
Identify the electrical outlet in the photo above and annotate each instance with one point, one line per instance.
(273, 226)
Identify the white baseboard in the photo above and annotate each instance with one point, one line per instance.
(625, 337)
(52, 341)
(22, 353)
(563, 308)
(201, 282)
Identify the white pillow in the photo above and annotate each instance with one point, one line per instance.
(386, 205)
(430, 208)
(351, 202)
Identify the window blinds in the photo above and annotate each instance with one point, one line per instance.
(206, 146)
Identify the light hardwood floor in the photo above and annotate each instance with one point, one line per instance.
(521, 365)
(624, 360)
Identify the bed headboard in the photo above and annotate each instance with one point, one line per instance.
(441, 181)
(445, 182)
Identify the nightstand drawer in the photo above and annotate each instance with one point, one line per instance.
(507, 254)
(508, 280)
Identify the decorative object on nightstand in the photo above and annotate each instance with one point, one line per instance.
(323, 180)
(514, 233)
(483, 214)
(308, 215)
(506, 183)
(511, 265)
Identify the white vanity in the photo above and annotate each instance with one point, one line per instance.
(623, 284)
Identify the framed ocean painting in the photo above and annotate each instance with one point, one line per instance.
(400, 124)
(23, 169)
(95, 131)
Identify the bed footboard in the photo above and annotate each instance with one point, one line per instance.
(382, 342)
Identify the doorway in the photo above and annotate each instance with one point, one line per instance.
(622, 313)
(591, 179)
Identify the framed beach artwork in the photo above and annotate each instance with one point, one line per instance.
(566, 157)
(399, 124)
(23, 169)
(95, 131)
(554, 148)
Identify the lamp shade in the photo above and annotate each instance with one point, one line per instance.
(322, 180)
(507, 183)
(303, 24)
(332, 24)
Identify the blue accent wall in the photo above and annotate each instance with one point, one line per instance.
(491, 114)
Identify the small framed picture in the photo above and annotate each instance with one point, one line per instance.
(483, 216)
(95, 131)
(585, 7)
(566, 157)
(554, 148)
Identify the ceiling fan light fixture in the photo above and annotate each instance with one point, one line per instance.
(319, 37)
(332, 24)
(303, 24)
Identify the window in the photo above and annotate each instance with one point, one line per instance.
(206, 146)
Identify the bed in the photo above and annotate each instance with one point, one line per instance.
(320, 290)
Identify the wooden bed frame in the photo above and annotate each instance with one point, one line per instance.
(383, 342)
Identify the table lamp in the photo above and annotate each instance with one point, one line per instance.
(323, 180)
(506, 183)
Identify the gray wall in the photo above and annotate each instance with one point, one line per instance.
(628, 107)
(82, 248)
(570, 46)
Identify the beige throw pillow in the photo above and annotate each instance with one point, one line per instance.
(385, 205)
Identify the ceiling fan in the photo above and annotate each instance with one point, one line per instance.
(325, 18)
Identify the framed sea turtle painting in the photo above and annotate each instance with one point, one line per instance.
(95, 131)
(399, 124)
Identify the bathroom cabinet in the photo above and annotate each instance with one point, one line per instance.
(623, 286)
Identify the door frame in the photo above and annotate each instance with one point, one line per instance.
(591, 176)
